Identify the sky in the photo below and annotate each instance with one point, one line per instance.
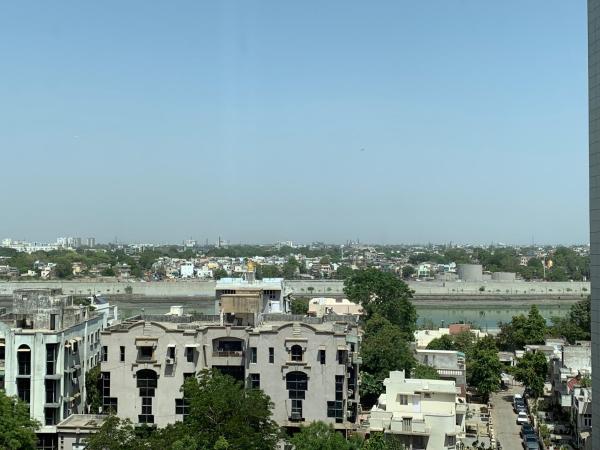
(259, 121)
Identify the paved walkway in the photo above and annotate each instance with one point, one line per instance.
(504, 419)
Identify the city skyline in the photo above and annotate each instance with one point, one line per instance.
(410, 122)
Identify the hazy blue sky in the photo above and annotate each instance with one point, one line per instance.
(395, 121)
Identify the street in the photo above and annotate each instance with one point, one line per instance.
(504, 419)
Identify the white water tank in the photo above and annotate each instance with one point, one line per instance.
(470, 272)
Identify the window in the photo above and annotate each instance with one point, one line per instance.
(342, 356)
(296, 410)
(450, 441)
(181, 406)
(406, 424)
(189, 354)
(403, 399)
(146, 353)
(122, 353)
(296, 384)
(50, 416)
(339, 387)
(51, 350)
(187, 375)
(587, 420)
(24, 360)
(23, 389)
(296, 352)
(109, 404)
(271, 355)
(336, 410)
(253, 355)
(146, 383)
(104, 353)
(51, 391)
(427, 394)
(171, 352)
(255, 381)
(322, 356)
(53, 321)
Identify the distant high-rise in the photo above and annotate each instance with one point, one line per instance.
(594, 161)
(91, 242)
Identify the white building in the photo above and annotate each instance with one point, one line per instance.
(421, 414)
(581, 417)
(321, 306)
(47, 345)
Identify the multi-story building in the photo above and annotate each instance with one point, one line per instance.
(567, 371)
(450, 365)
(48, 344)
(308, 366)
(581, 417)
(594, 163)
(421, 414)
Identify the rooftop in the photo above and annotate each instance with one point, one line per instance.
(86, 421)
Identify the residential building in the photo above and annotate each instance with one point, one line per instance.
(75, 429)
(424, 337)
(307, 366)
(49, 344)
(581, 417)
(322, 306)
(567, 371)
(91, 242)
(594, 173)
(450, 365)
(421, 414)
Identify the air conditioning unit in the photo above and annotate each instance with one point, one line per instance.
(170, 361)
(350, 392)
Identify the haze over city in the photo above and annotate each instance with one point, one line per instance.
(409, 122)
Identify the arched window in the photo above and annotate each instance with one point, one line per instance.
(24, 359)
(296, 353)
(146, 380)
(296, 384)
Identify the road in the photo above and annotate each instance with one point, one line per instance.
(504, 419)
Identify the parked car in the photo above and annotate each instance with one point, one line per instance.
(522, 418)
(531, 443)
(526, 430)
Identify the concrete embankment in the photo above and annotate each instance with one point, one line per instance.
(484, 289)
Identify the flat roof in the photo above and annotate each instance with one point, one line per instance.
(90, 421)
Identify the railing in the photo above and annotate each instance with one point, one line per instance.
(227, 353)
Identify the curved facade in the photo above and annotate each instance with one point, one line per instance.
(470, 272)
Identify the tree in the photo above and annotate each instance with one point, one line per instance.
(484, 367)
(444, 342)
(219, 273)
(299, 305)
(523, 330)
(220, 407)
(17, 429)
(114, 434)
(384, 349)
(319, 436)
(385, 294)
(290, 268)
(92, 383)
(267, 271)
(424, 372)
(343, 272)
(577, 325)
(531, 370)
(408, 271)
(380, 441)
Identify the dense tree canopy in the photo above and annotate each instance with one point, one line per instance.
(385, 294)
(17, 429)
(577, 325)
(484, 367)
(531, 370)
(523, 330)
(222, 415)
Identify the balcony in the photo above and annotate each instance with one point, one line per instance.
(410, 427)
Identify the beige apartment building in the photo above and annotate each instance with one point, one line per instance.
(308, 366)
(422, 414)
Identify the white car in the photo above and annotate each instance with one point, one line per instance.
(522, 418)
